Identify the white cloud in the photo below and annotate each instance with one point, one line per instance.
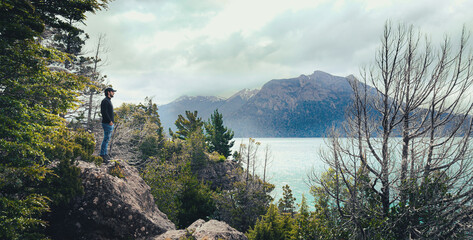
(174, 48)
(134, 16)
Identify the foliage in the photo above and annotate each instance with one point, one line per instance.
(195, 144)
(116, 170)
(216, 157)
(188, 125)
(33, 136)
(423, 198)
(271, 226)
(326, 222)
(286, 203)
(305, 224)
(63, 184)
(196, 201)
(188, 236)
(332, 215)
(164, 181)
(171, 167)
(20, 218)
(219, 137)
(174, 185)
(172, 177)
(140, 128)
(241, 206)
(402, 170)
(177, 191)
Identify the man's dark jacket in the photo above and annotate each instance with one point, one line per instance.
(106, 109)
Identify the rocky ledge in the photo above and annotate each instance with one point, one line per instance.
(211, 230)
(117, 204)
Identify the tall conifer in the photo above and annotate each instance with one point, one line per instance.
(219, 137)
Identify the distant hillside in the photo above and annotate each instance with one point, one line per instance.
(204, 105)
(298, 107)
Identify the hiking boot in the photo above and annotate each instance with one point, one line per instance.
(105, 158)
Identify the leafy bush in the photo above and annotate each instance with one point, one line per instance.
(178, 193)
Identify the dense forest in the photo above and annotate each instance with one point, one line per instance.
(418, 186)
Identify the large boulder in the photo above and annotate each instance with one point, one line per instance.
(117, 204)
(211, 230)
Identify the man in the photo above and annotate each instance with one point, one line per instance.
(106, 109)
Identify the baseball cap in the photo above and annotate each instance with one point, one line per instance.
(110, 90)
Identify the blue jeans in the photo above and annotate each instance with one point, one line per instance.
(107, 134)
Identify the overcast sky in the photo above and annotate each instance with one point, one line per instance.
(168, 48)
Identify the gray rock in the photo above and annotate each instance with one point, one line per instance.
(197, 224)
(173, 235)
(114, 207)
(214, 229)
(123, 208)
(211, 230)
(220, 174)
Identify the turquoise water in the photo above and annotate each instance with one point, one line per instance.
(291, 160)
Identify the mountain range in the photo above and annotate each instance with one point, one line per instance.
(305, 106)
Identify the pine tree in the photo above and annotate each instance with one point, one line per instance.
(286, 203)
(270, 226)
(304, 227)
(219, 137)
(188, 125)
(195, 201)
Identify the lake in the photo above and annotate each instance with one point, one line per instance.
(291, 160)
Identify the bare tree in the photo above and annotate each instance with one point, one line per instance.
(84, 115)
(250, 197)
(267, 161)
(97, 79)
(250, 156)
(406, 158)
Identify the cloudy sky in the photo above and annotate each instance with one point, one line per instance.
(169, 48)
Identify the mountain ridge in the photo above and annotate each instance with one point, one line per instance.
(304, 106)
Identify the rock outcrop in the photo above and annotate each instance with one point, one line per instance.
(114, 207)
(117, 204)
(211, 230)
(220, 174)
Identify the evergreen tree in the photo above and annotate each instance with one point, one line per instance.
(219, 137)
(195, 201)
(188, 125)
(32, 135)
(304, 227)
(176, 189)
(286, 203)
(271, 226)
(197, 150)
(245, 203)
(163, 177)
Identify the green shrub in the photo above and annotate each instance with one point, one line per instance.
(116, 170)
